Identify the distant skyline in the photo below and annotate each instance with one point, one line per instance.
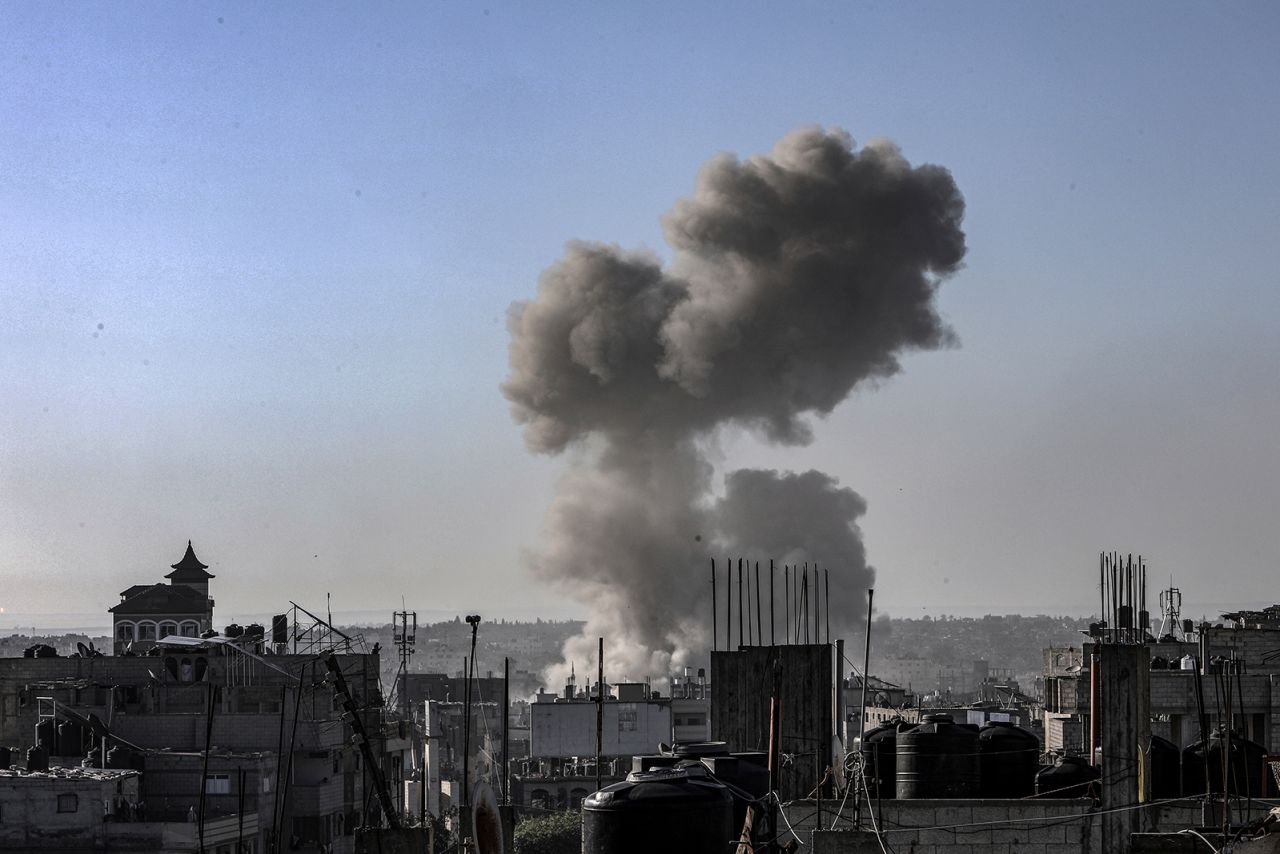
(256, 264)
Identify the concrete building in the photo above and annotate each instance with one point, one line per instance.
(149, 612)
(925, 676)
(691, 706)
(64, 809)
(445, 736)
(1174, 706)
(417, 688)
(561, 770)
(810, 704)
(634, 724)
(245, 706)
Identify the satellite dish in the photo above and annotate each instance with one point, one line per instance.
(1075, 668)
(486, 820)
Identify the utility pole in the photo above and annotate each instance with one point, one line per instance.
(405, 636)
(600, 711)
(474, 621)
(862, 713)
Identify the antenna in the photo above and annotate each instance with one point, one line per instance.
(1171, 611)
(404, 627)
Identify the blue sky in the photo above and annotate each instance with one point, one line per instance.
(256, 262)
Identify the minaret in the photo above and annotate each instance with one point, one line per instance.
(190, 572)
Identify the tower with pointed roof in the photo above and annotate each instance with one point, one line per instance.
(191, 572)
(148, 612)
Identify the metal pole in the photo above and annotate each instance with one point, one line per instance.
(715, 608)
(805, 597)
(506, 723)
(740, 602)
(204, 774)
(240, 776)
(862, 714)
(817, 606)
(773, 640)
(599, 712)
(728, 602)
(826, 601)
(474, 620)
(466, 734)
(759, 635)
(786, 603)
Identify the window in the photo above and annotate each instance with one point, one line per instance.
(146, 631)
(190, 629)
(627, 717)
(167, 629)
(68, 803)
(217, 784)
(124, 631)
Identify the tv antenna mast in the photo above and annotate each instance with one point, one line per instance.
(405, 634)
(1171, 610)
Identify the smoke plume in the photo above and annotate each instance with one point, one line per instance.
(795, 276)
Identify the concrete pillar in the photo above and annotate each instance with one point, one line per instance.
(1124, 682)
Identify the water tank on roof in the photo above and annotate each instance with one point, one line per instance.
(1165, 768)
(699, 749)
(123, 757)
(1187, 662)
(37, 759)
(47, 734)
(1069, 777)
(1009, 757)
(255, 630)
(70, 740)
(234, 630)
(938, 759)
(1159, 662)
(681, 810)
(653, 760)
(1202, 766)
(880, 758)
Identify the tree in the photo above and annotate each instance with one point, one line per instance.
(558, 833)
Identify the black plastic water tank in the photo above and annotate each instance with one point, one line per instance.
(1165, 768)
(37, 759)
(668, 809)
(233, 630)
(649, 761)
(1202, 766)
(879, 757)
(1009, 757)
(699, 749)
(1069, 777)
(70, 741)
(120, 757)
(938, 759)
(47, 734)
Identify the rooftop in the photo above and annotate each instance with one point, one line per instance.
(161, 599)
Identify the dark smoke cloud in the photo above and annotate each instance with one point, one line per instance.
(798, 519)
(796, 276)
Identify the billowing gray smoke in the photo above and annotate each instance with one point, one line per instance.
(796, 276)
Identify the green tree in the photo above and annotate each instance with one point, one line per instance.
(558, 833)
